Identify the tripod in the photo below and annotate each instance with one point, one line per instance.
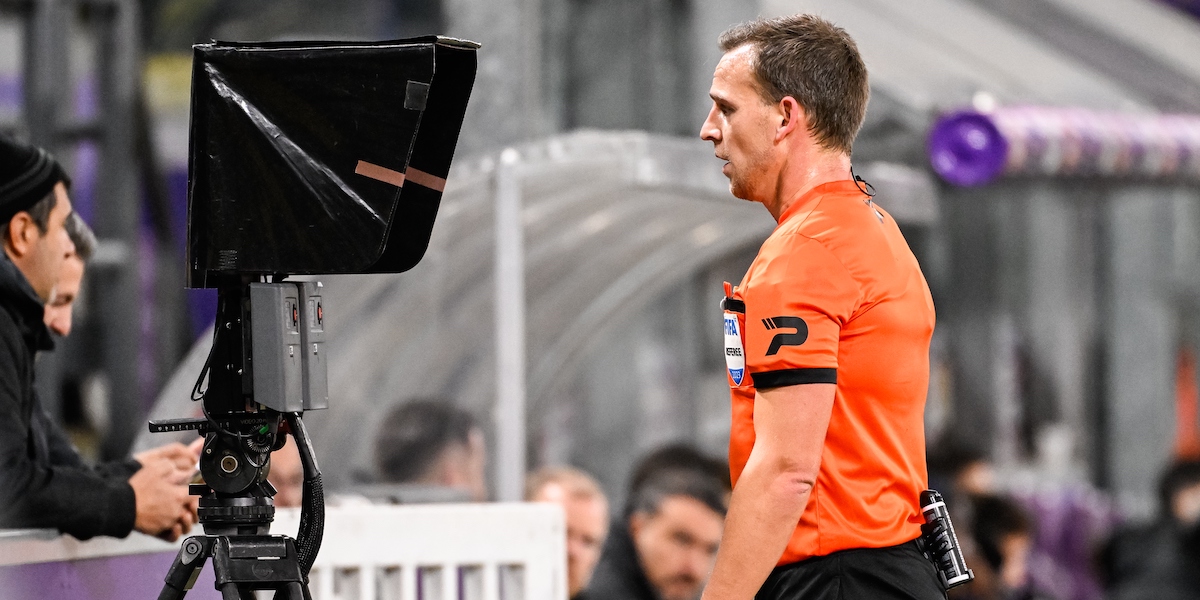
(236, 526)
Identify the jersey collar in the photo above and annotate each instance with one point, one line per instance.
(808, 201)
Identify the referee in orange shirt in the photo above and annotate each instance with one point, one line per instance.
(827, 336)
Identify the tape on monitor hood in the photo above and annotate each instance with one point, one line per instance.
(379, 173)
(424, 179)
(397, 178)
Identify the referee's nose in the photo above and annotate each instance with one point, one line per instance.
(710, 131)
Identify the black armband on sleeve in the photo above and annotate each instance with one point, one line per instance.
(786, 377)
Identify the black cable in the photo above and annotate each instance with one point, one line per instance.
(862, 184)
(197, 394)
(312, 510)
(312, 524)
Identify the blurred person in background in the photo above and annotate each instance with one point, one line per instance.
(664, 544)
(287, 475)
(43, 481)
(1161, 560)
(430, 451)
(960, 470)
(679, 456)
(827, 336)
(998, 551)
(586, 512)
(60, 309)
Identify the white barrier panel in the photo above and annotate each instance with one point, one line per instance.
(508, 551)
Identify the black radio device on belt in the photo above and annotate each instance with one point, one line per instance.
(941, 544)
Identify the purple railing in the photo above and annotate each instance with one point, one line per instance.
(972, 148)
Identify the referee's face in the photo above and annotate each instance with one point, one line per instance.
(740, 126)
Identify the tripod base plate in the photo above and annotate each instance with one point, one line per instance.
(241, 563)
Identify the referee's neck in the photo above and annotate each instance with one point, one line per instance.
(804, 171)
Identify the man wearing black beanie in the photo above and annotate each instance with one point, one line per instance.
(38, 486)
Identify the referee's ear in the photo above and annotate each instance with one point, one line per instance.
(791, 118)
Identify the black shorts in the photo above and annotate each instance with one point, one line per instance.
(895, 573)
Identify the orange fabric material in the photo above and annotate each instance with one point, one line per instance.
(842, 265)
(1187, 406)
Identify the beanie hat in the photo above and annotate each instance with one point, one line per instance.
(27, 174)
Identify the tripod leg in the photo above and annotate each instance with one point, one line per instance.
(292, 591)
(230, 591)
(186, 567)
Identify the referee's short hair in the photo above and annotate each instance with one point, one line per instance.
(813, 61)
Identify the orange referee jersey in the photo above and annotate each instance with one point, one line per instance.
(836, 296)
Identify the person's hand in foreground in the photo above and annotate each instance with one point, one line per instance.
(160, 488)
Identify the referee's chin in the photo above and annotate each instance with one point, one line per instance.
(744, 185)
(739, 191)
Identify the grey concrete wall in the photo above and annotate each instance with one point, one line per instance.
(709, 20)
(970, 310)
(1057, 312)
(1064, 309)
(508, 103)
(554, 65)
(1141, 329)
(627, 65)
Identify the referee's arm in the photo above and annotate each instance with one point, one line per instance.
(770, 496)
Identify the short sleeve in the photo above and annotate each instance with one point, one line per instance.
(797, 302)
